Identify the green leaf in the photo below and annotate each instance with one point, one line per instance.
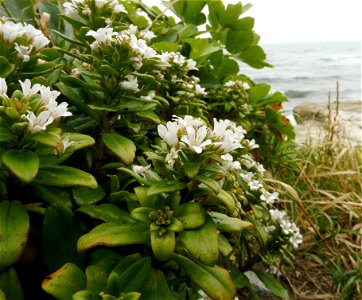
(14, 230)
(156, 287)
(65, 282)
(76, 97)
(6, 68)
(240, 279)
(61, 231)
(258, 92)
(106, 212)
(255, 57)
(96, 278)
(52, 195)
(202, 243)
(133, 276)
(201, 49)
(272, 284)
(83, 195)
(10, 285)
(210, 183)
(47, 138)
(115, 234)
(191, 215)
(120, 146)
(64, 176)
(23, 163)
(244, 24)
(227, 67)
(87, 295)
(165, 187)
(165, 47)
(214, 281)
(237, 41)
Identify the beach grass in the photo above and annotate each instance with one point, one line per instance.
(323, 187)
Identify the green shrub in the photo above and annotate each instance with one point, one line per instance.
(128, 161)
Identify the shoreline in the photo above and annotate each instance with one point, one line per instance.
(311, 121)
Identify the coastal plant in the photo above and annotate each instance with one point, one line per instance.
(131, 153)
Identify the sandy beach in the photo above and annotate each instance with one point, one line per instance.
(312, 121)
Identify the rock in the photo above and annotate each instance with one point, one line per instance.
(313, 122)
(259, 287)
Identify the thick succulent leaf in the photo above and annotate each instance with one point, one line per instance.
(65, 282)
(61, 231)
(14, 229)
(106, 212)
(191, 215)
(10, 285)
(65, 176)
(120, 146)
(96, 278)
(115, 234)
(23, 163)
(156, 287)
(214, 281)
(83, 195)
(202, 243)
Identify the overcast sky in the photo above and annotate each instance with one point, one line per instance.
(304, 20)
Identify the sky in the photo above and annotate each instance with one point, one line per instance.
(303, 20)
(306, 20)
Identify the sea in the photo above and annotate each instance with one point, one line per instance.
(309, 72)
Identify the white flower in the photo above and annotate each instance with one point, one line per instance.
(40, 122)
(191, 65)
(99, 3)
(3, 88)
(188, 121)
(270, 229)
(69, 9)
(267, 197)
(131, 83)
(260, 168)
(169, 133)
(200, 90)
(117, 8)
(231, 164)
(86, 11)
(23, 51)
(58, 110)
(255, 185)
(296, 239)
(149, 96)
(251, 144)
(277, 215)
(141, 170)
(247, 177)
(102, 36)
(195, 138)
(66, 143)
(172, 156)
(47, 95)
(147, 34)
(29, 90)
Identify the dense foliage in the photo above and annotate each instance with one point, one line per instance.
(131, 152)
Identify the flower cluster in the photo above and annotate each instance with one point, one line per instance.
(190, 134)
(84, 7)
(288, 227)
(35, 105)
(24, 38)
(131, 37)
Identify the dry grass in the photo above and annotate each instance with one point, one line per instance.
(325, 198)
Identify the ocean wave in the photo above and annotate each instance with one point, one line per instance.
(297, 93)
